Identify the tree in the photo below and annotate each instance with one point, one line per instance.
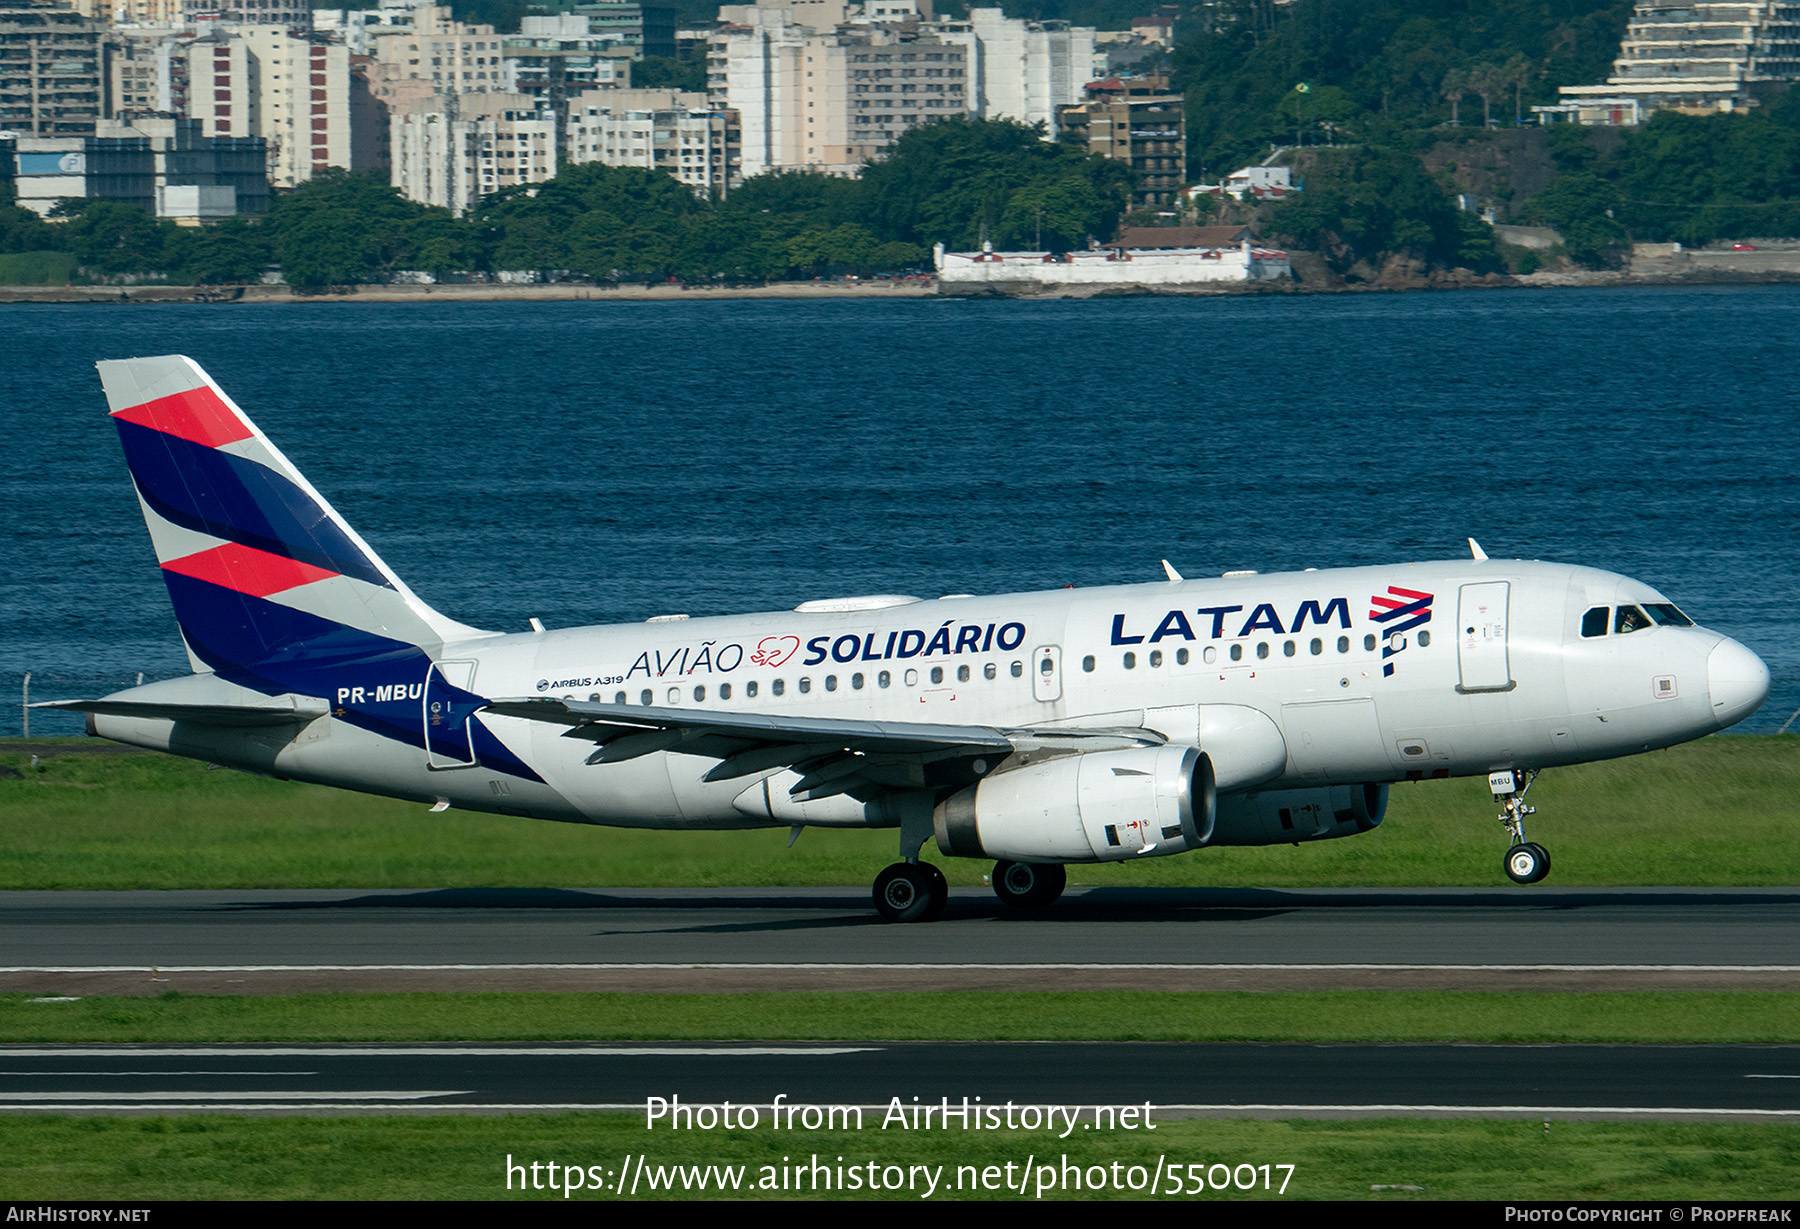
(1368, 203)
(1454, 85)
(952, 180)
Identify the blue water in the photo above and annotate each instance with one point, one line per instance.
(587, 462)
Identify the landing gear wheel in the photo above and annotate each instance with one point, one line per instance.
(1527, 863)
(1029, 884)
(940, 892)
(910, 892)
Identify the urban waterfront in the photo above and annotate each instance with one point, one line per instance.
(595, 462)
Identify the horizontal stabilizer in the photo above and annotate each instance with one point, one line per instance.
(298, 710)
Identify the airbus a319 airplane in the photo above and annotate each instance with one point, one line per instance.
(1036, 729)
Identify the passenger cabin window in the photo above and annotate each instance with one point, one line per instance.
(1018, 669)
(1593, 623)
(1087, 664)
(777, 687)
(990, 671)
(962, 674)
(937, 674)
(1181, 657)
(1630, 619)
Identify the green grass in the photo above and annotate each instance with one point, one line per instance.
(1721, 811)
(36, 268)
(466, 1158)
(1323, 1016)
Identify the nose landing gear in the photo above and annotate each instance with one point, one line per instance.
(1526, 861)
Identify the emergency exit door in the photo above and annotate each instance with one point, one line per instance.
(1481, 637)
(1046, 673)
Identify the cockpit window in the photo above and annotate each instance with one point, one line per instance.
(1667, 615)
(1593, 623)
(1630, 619)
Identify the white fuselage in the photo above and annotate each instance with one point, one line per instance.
(1495, 674)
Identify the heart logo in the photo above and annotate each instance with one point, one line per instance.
(774, 650)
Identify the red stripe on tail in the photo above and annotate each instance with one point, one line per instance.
(244, 569)
(197, 415)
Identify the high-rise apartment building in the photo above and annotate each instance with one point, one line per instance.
(472, 145)
(830, 100)
(291, 90)
(53, 70)
(1138, 122)
(827, 85)
(659, 130)
(1691, 56)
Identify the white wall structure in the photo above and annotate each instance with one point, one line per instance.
(481, 144)
(1110, 267)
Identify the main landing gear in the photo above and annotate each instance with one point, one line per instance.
(911, 892)
(1026, 885)
(1526, 861)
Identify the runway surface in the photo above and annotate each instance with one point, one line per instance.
(740, 938)
(1757, 1083)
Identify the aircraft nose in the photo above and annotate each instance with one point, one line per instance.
(1737, 681)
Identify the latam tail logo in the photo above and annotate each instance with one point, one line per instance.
(1397, 613)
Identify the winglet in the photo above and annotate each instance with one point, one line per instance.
(1169, 568)
(1479, 555)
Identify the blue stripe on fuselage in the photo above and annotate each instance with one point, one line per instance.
(276, 649)
(229, 497)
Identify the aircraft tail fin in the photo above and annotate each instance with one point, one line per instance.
(267, 580)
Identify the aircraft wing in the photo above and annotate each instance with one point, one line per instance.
(831, 755)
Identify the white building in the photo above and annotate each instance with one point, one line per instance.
(436, 55)
(1693, 56)
(660, 130)
(293, 91)
(453, 154)
(830, 100)
(825, 85)
(1023, 70)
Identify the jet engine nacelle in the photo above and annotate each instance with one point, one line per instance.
(1103, 806)
(1285, 816)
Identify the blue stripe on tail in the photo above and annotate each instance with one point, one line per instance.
(214, 492)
